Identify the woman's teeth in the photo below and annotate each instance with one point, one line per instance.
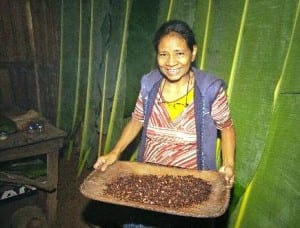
(173, 71)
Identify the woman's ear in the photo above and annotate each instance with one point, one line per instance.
(194, 52)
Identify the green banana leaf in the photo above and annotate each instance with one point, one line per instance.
(89, 140)
(29, 167)
(273, 196)
(255, 74)
(225, 27)
(117, 51)
(179, 9)
(201, 28)
(82, 65)
(141, 30)
(68, 63)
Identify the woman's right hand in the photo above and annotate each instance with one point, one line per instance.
(106, 160)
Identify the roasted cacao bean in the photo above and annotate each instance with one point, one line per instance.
(166, 191)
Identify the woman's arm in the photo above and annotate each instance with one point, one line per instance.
(129, 132)
(228, 153)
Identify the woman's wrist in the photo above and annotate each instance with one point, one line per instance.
(224, 167)
(116, 152)
(228, 166)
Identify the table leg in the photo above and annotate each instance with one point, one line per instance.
(52, 172)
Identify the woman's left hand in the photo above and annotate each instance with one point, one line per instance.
(229, 174)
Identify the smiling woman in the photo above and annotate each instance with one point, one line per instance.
(179, 135)
(175, 135)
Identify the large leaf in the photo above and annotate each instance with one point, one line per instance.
(116, 121)
(180, 8)
(110, 71)
(68, 63)
(225, 28)
(256, 72)
(141, 30)
(93, 96)
(273, 197)
(202, 26)
(82, 62)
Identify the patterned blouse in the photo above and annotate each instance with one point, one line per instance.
(172, 141)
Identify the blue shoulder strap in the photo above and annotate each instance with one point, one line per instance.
(149, 88)
(149, 85)
(206, 90)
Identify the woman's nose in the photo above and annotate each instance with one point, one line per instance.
(171, 61)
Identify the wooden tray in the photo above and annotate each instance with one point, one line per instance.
(94, 185)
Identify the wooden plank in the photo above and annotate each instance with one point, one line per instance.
(9, 38)
(20, 30)
(19, 179)
(6, 93)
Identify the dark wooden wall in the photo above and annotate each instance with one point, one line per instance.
(29, 55)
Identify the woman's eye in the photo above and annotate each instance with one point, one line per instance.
(180, 53)
(162, 54)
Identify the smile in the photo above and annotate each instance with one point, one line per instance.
(173, 71)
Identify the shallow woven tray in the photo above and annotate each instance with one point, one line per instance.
(94, 185)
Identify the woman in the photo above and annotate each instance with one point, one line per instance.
(180, 109)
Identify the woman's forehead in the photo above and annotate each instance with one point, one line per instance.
(171, 40)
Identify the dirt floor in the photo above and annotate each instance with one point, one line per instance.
(71, 203)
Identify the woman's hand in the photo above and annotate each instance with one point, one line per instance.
(228, 170)
(106, 160)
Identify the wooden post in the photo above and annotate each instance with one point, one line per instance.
(33, 50)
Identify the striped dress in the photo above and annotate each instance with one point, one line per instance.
(172, 142)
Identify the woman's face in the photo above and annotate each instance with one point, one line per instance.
(174, 57)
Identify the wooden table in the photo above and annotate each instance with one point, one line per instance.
(23, 145)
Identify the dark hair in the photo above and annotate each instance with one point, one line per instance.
(176, 26)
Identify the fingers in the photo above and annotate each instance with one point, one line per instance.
(229, 180)
(99, 163)
(104, 161)
(104, 166)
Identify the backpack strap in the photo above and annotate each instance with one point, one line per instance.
(206, 89)
(149, 88)
(148, 82)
